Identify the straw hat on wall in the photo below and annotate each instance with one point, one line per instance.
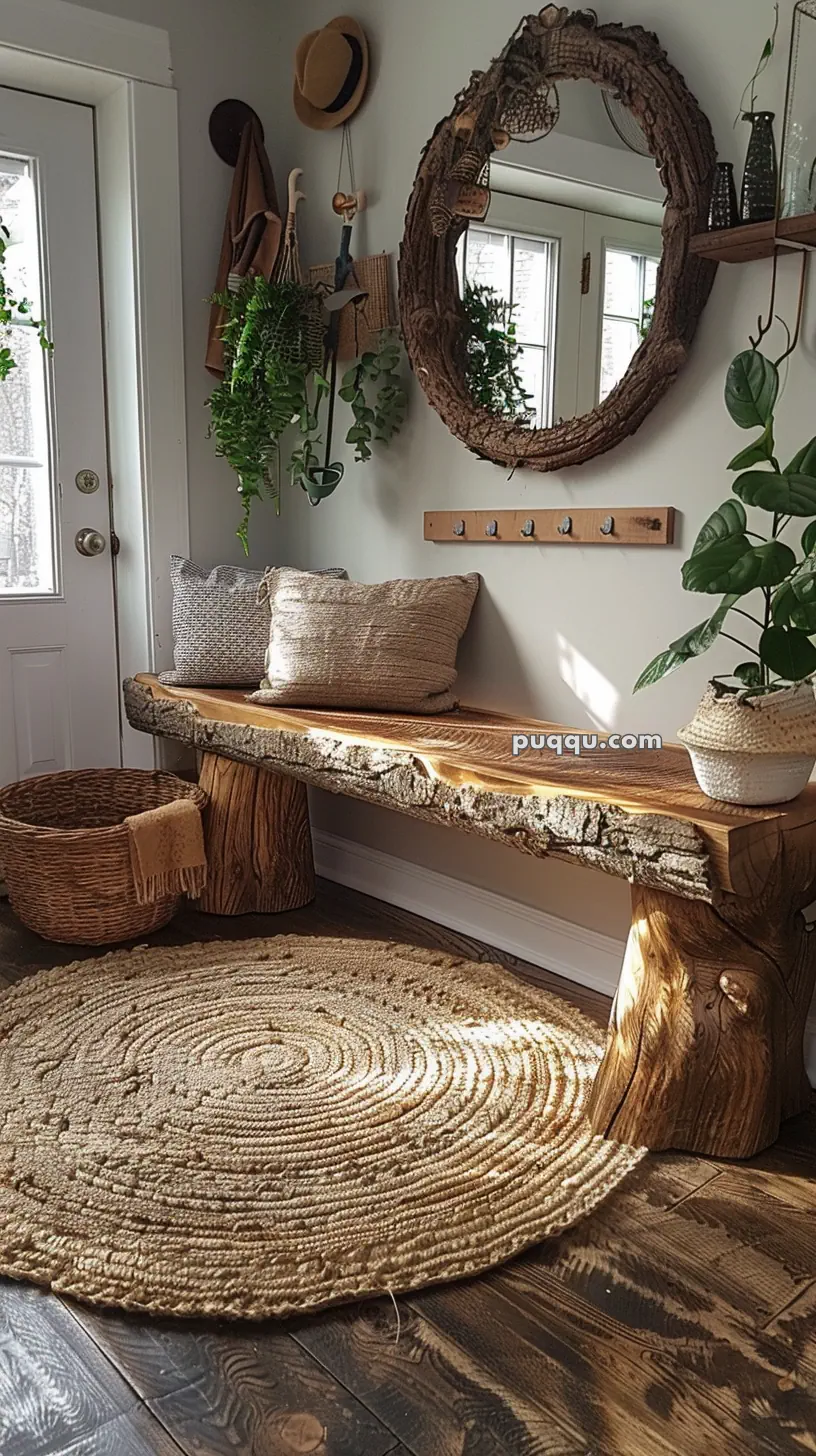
(331, 73)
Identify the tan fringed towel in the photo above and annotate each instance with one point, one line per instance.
(167, 852)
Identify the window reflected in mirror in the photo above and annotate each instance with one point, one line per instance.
(559, 280)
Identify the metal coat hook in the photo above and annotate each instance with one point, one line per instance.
(227, 123)
(565, 529)
(492, 528)
(607, 525)
(458, 528)
(528, 529)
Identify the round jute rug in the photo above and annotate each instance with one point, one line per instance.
(256, 1128)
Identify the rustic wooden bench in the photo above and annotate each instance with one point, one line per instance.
(705, 1049)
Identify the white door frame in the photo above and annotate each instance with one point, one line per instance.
(122, 68)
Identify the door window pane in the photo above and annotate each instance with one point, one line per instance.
(522, 271)
(629, 290)
(532, 289)
(618, 346)
(487, 261)
(27, 557)
(622, 284)
(532, 368)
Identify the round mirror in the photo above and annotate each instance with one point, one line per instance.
(547, 291)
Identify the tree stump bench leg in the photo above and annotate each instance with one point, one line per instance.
(705, 1048)
(259, 840)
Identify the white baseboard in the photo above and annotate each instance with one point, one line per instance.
(584, 956)
(568, 950)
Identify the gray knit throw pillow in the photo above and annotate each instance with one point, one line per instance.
(220, 629)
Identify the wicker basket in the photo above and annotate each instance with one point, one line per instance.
(65, 852)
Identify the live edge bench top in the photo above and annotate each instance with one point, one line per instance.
(638, 814)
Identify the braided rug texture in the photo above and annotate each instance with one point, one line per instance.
(258, 1128)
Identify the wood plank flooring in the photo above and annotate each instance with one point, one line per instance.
(679, 1320)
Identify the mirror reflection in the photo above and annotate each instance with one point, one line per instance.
(559, 277)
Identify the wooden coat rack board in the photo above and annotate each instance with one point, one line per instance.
(633, 526)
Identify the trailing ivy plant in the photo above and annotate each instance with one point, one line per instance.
(14, 310)
(271, 337)
(377, 415)
(492, 353)
(761, 580)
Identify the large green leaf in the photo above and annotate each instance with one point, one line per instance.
(729, 520)
(805, 462)
(736, 566)
(761, 450)
(788, 652)
(658, 668)
(809, 539)
(788, 495)
(691, 644)
(751, 390)
(790, 611)
(794, 602)
(700, 638)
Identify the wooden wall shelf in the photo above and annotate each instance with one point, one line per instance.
(756, 240)
(617, 526)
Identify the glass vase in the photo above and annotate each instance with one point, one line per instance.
(798, 163)
(723, 211)
(760, 183)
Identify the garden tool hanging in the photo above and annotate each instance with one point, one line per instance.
(322, 481)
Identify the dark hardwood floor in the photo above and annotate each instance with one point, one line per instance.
(680, 1318)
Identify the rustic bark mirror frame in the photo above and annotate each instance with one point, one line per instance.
(549, 48)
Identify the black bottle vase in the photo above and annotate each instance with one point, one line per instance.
(760, 183)
(723, 212)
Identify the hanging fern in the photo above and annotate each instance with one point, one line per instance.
(273, 347)
(272, 341)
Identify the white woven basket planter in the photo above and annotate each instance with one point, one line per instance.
(754, 750)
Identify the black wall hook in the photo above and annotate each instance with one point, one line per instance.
(227, 123)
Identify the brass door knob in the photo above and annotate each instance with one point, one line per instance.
(89, 542)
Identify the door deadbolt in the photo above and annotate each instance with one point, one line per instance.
(89, 542)
(87, 481)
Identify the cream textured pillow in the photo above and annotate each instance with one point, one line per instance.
(341, 644)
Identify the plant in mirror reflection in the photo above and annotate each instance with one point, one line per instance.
(493, 354)
(759, 576)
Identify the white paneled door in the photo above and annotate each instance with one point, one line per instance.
(59, 699)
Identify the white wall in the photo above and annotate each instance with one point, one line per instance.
(216, 54)
(562, 635)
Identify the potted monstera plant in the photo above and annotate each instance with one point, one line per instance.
(753, 738)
